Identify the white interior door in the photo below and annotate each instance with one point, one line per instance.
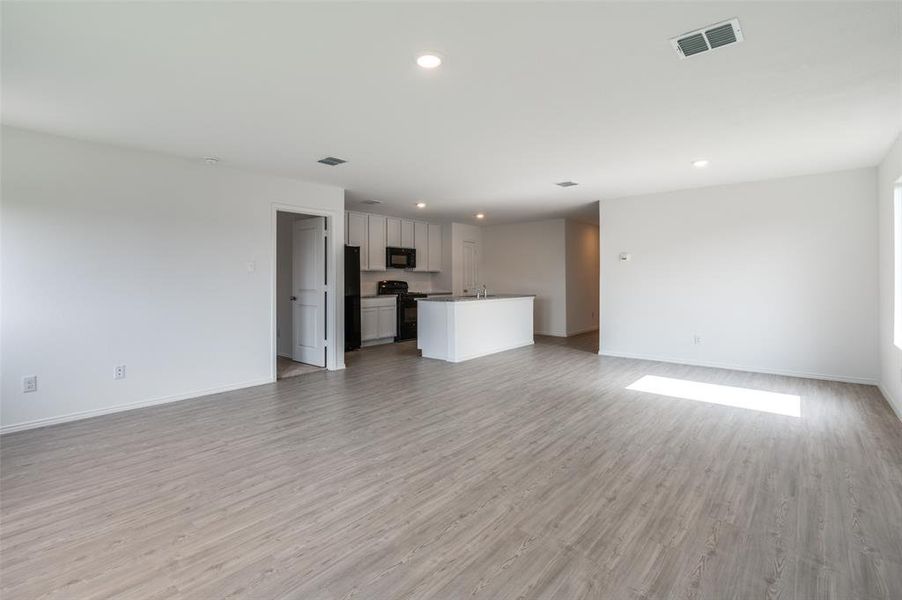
(308, 336)
(471, 274)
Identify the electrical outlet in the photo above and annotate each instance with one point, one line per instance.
(696, 339)
(119, 372)
(30, 384)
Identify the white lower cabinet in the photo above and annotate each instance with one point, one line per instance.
(388, 323)
(378, 320)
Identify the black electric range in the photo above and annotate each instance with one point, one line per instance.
(407, 307)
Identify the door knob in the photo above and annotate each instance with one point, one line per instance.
(293, 298)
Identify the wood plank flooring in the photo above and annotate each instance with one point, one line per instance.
(532, 473)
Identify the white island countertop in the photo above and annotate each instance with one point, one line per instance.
(458, 328)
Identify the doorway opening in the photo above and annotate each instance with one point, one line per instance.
(301, 294)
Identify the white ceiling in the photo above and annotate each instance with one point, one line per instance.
(529, 94)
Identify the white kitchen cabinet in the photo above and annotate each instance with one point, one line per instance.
(388, 321)
(407, 234)
(356, 228)
(369, 323)
(421, 244)
(434, 263)
(373, 233)
(378, 320)
(376, 242)
(393, 232)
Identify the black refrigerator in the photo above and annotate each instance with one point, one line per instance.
(352, 298)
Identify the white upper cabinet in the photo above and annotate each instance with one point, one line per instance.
(393, 232)
(407, 234)
(356, 229)
(373, 233)
(421, 244)
(376, 242)
(435, 248)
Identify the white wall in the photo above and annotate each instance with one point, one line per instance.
(530, 258)
(889, 171)
(775, 276)
(114, 256)
(582, 277)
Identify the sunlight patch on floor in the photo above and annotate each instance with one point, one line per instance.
(725, 395)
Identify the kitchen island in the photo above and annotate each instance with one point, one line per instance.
(458, 328)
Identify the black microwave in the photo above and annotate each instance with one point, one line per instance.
(400, 258)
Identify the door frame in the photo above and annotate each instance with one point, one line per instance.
(334, 274)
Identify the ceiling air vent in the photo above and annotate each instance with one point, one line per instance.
(707, 39)
(331, 161)
(371, 202)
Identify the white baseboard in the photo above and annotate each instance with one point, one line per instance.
(746, 368)
(77, 416)
(893, 403)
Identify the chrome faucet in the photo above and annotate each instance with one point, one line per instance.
(485, 292)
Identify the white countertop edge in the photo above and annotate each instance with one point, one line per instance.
(453, 299)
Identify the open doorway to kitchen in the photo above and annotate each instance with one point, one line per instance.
(302, 294)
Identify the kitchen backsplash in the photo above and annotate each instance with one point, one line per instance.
(417, 281)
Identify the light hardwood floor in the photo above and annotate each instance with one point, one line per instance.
(532, 473)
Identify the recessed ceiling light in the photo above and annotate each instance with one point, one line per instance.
(566, 183)
(421, 205)
(211, 160)
(331, 161)
(700, 163)
(429, 61)
(480, 216)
